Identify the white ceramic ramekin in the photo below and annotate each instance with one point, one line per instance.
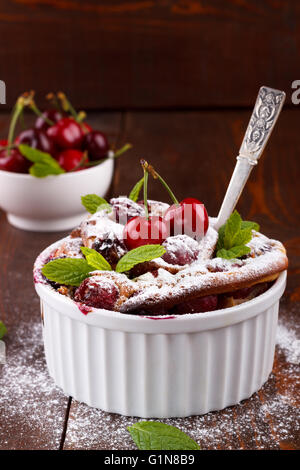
(52, 203)
(162, 367)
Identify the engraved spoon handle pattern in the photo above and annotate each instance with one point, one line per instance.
(267, 108)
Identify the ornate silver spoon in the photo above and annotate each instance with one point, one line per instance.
(267, 108)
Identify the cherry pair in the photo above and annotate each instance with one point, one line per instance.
(189, 217)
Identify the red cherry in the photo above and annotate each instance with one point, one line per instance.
(14, 161)
(66, 133)
(70, 159)
(125, 209)
(188, 218)
(36, 139)
(53, 114)
(97, 293)
(3, 142)
(181, 250)
(141, 231)
(96, 144)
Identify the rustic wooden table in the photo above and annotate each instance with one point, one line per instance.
(196, 152)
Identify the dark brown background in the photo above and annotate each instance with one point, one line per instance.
(178, 80)
(147, 53)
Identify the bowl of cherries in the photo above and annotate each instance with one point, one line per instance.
(45, 169)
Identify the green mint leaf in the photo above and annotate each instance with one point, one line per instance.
(37, 156)
(242, 237)
(94, 203)
(67, 271)
(139, 255)
(251, 225)
(234, 252)
(43, 163)
(232, 227)
(122, 150)
(95, 259)
(135, 192)
(233, 237)
(3, 329)
(153, 435)
(40, 170)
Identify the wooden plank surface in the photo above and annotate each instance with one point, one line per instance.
(33, 411)
(196, 153)
(268, 420)
(194, 150)
(137, 54)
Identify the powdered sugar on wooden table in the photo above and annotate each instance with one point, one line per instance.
(268, 417)
(289, 343)
(31, 405)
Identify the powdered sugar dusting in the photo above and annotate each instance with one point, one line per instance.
(32, 409)
(194, 275)
(70, 248)
(198, 278)
(124, 209)
(98, 225)
(289, 343)
(268, 420)
(178, 244)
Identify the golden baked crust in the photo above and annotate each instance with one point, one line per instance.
(159, 285)
(216, 276)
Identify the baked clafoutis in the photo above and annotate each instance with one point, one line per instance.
(154, 259)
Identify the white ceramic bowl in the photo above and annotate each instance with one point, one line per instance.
(52, 203)
(167, 367)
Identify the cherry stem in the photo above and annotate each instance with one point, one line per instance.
(155, 175)
(26, 99)
(82, 163)
(22, 119)
(39, 113)
(84, 127)
(96, 162)
(145, 188)
(7, 147)
(53, 100)
(81, 116)
(15, 116)
(122, 150)
(115, 155)
(66, 105)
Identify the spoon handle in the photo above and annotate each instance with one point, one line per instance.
(267, 108)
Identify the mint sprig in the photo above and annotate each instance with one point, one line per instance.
(139, 255)
(153, 435)
(135, 192)
(233, 237)
(72, 271)
(67, 271)
(95, 259)
(234, 252)
(94, 203)
(252, 225)
(3, 330)
(43, 163)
